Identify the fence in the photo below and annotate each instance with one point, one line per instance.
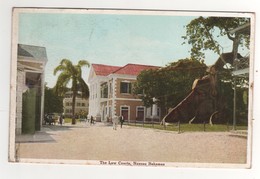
(182, 127)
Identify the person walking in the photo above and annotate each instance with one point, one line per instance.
(121, 119)
(115, 122)
(91, 120)
(61, 120)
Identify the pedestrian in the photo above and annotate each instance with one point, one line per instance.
(50, 120)
(115, 122)
(107, 118)
(61, 120)
(121, 119)
(91, 120)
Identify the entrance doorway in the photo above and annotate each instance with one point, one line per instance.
(125, 112)
(140, 113)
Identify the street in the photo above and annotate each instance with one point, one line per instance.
(100, 142)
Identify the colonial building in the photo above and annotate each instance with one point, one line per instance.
(81, 105)
(111, 93)
(31, 61)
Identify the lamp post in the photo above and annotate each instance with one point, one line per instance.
(234, 106)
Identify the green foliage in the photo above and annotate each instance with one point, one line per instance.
(169, 84)
(52, 102)
(203, 33)
(71, 73)
(225, 87)
(67, 120)
(82, 113)
(242, 100)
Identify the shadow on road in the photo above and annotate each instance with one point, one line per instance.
(45, 135)
(47, 131)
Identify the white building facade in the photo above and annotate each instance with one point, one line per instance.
(111, 93)
(81, 105)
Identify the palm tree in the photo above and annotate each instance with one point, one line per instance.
(71, 74)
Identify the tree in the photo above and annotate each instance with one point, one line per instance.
(203, 33)
(52, 102)
(169, 84)
(71, 73)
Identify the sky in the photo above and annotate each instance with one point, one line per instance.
(111, 39)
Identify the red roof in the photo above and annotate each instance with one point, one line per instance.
(133, 69)
(129, 69)
(104, 70)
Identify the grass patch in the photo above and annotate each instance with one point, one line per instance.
(190, 127)
(67, 120)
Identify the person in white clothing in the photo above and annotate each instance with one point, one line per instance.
(115, 121)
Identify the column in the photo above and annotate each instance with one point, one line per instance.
(154, 109)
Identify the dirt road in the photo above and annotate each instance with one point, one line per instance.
(101, 142)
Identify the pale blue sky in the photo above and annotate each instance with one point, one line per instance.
(107, 39)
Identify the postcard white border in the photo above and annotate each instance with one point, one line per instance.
(16, 12)
(68, 171)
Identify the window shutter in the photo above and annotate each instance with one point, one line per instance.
(121, 87)
(130, 88)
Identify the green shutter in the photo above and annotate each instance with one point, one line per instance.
(29, 111)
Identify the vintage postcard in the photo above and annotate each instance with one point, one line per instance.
(132, 87)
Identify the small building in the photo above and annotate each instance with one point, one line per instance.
(31, 61)
(111, 93)
(81, 105)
